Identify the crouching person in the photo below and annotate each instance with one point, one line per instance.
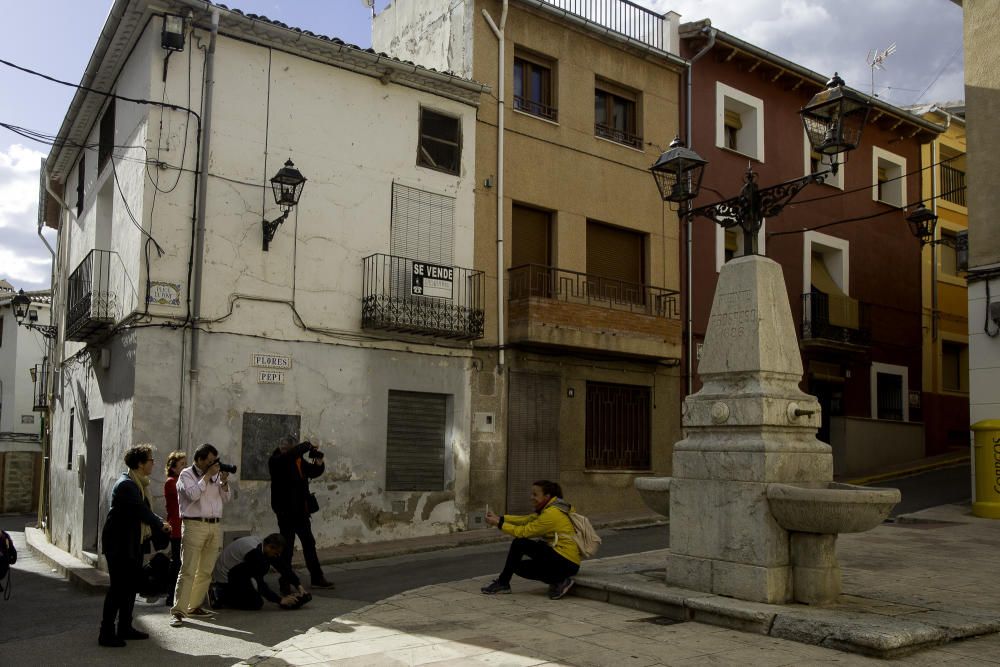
(238, 578)
(554, 558)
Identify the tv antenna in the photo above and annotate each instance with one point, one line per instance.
(876, 60)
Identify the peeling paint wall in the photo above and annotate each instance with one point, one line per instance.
(433, 33)
(353, 137)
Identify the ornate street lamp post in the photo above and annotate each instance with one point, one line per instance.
(834, 119)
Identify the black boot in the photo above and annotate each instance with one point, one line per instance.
(109, 638)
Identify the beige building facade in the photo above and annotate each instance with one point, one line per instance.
(578, 377)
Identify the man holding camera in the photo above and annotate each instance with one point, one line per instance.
(202, 489)
(293, 503)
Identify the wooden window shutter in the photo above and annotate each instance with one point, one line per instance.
(531, 230)
(733, 119)
(415, 441)
(614, 253)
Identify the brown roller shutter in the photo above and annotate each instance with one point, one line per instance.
(415, 441)
(533, 436)
(614, 253)
(531, 230)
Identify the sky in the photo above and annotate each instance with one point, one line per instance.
(823, 35)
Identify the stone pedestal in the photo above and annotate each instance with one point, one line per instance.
(750, 425)
(815, 572)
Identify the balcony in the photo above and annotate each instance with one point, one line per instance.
(409, 296)
(552, 307)
(619, 136)
(40, 378)
(953, 185)
(93, 305)
(621, 16)
(835, 320)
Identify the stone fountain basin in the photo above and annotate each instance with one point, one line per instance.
(831, 509)
(655, 492)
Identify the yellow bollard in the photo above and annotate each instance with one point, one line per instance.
(986, 435)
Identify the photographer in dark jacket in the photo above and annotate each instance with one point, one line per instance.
(130, 522)
(292, 503)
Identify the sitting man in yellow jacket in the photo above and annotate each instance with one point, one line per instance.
(553, 559)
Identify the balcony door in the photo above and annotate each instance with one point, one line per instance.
(615, 263)
(531, 253)
(533, 435)
(422, 231)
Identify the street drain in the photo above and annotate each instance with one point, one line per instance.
(657, 620)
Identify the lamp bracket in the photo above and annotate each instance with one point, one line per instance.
(749, 209)
(270, 227)
(47, 330)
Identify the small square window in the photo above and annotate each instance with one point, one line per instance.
(888, 177)
(954, 366)
(615, 115)
(740, 126)
(533, 86)
(440, 144)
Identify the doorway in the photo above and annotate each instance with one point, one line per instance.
(92, 485)
(533, 436)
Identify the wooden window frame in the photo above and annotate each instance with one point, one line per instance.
(629, 136)
(544, 107)
(424, 158)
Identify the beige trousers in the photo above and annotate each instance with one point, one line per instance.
(201, 543)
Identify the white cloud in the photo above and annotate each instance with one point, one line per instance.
(24, 261)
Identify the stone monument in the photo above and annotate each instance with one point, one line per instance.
(753, 511)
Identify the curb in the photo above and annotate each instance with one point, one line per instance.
(82, 575)
(912, 470)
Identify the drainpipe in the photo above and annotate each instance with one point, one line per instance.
(44, 494)
(690, 223)
(498, 32)
(199, 243)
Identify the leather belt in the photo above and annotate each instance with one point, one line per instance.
(200, 518)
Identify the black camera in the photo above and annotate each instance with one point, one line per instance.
(315, 454)
(227, 467)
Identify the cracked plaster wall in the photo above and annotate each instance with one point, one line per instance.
(431, 33)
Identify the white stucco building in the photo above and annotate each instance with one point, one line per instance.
(22, 401)
(352, 329)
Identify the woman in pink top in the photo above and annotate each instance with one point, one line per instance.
(176, 462)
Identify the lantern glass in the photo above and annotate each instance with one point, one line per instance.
(835, 118)
(21, 303)
(922, 222)
(678, 173)
(172, 37)
(287, 185)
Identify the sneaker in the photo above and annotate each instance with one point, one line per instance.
(176, 621)
(559, 590)
(495, 587)
(322, 583)
(200, 613)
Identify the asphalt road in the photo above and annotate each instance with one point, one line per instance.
(49, 622)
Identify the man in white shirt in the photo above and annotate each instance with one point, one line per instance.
(201, 491)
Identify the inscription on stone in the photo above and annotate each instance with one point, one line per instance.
(737, 314)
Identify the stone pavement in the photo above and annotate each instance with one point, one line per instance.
(930, 576)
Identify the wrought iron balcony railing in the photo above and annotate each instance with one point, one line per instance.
(621, 16)
(40, 379)
(92, 306)
(547, 282)
(411, 296)
(620, 136)
(953, 185)
(536, 108)
(836, 318)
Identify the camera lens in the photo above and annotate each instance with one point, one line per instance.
(227, 467)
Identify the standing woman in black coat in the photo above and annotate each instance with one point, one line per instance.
(130, 522)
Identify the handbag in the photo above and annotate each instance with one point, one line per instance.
(312, 504)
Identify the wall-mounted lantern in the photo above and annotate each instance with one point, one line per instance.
(287, 185)
(23, 311)
(172, 37)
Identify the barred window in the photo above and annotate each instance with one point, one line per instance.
(618, 427)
